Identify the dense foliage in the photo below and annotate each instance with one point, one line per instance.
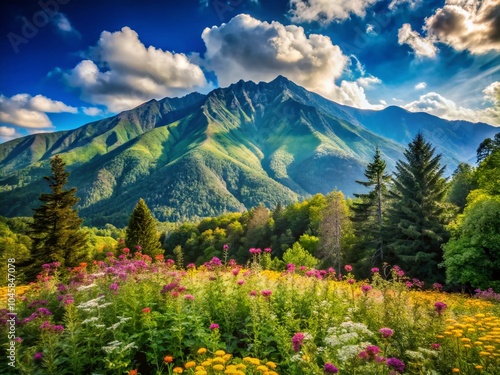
(141, 231)
(132, 314)
(56, 232)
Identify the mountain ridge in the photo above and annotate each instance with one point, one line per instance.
(228, 150)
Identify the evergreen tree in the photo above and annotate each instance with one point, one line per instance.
(416, 226)
(369, 214)
(141, 231)
(56, 229)
(461, 184)
(487, 147)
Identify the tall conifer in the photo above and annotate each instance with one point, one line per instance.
(416, 225)
(56, 229)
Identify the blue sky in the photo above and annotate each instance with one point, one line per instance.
(65, 63)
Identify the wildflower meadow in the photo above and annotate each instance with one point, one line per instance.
(131, 314)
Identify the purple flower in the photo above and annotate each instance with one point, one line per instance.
(440, 307)
(437, 286)
(297, 341)
(330, 368)
(57, 328)
(169, 287)
(396, 364)
(113, 287)
(386, 332)
(38, 356)
(214, 326)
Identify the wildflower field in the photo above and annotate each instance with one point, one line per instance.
(135, 315)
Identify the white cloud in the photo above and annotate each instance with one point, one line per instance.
(246, 48)
(397, 3)
(423, 47)
(63, 25)
(30, 112)
(420, 86)
(370, 29)
(383, 102)
(6, 131)
(440, 106)
(472, 25)
(92, 111)
(121, 72)
(327, 11)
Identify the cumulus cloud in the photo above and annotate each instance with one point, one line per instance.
(7, 133)
(327, 11)
(420, 86)
(30, 111)
(440, 106)
(423, 47)
(246, 48)
(472, 25)
(121, 72)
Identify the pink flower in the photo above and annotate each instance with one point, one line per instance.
(366, 288)
(297, 341)
(214, 326)
(266, 293)
(225, 247)
(38, 356)
(329, 368)
(435, 346)
(375, 270)
(253, 293)
(267, 250)
(236, 271)
(146, 310)
(351, 281)
(189, 297)
(386, 332)
(241, 282)
(348, 268)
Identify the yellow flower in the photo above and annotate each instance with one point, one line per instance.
(202, 372)
(478, 367)
(218, 367)
(200, 368)
(241, 366)
(206, 363)
(178, 370)
(220, 353)
(484, 354)
(218, 360)
(271, 365)
(190, 364)
(262, 368)
(202, 351)
(456, 370)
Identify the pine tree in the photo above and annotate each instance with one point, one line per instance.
(56, 229)
(369, 213)
(416, 228)
(141, 231)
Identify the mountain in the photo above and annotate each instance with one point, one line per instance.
(234, 148)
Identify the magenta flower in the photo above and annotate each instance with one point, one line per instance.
(267, 250)
(440, 307)
(114, 287)
(437, 286)
(214, 326)
(191, 265)
(366, 288)
(189, 297)
(241, 282)
(386, 332)
(348, 268)
(253, 293)
(297, 341)
(351, 281)
(225, 247)
(235, 271)
(396, 364)
(330, 368)
(375, 270)
(435, 346)
(38, 356)
(266, 293)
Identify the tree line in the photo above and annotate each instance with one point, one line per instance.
(434, 229)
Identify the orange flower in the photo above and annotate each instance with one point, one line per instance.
(133, 372)
(168, 359)
(146, 310)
